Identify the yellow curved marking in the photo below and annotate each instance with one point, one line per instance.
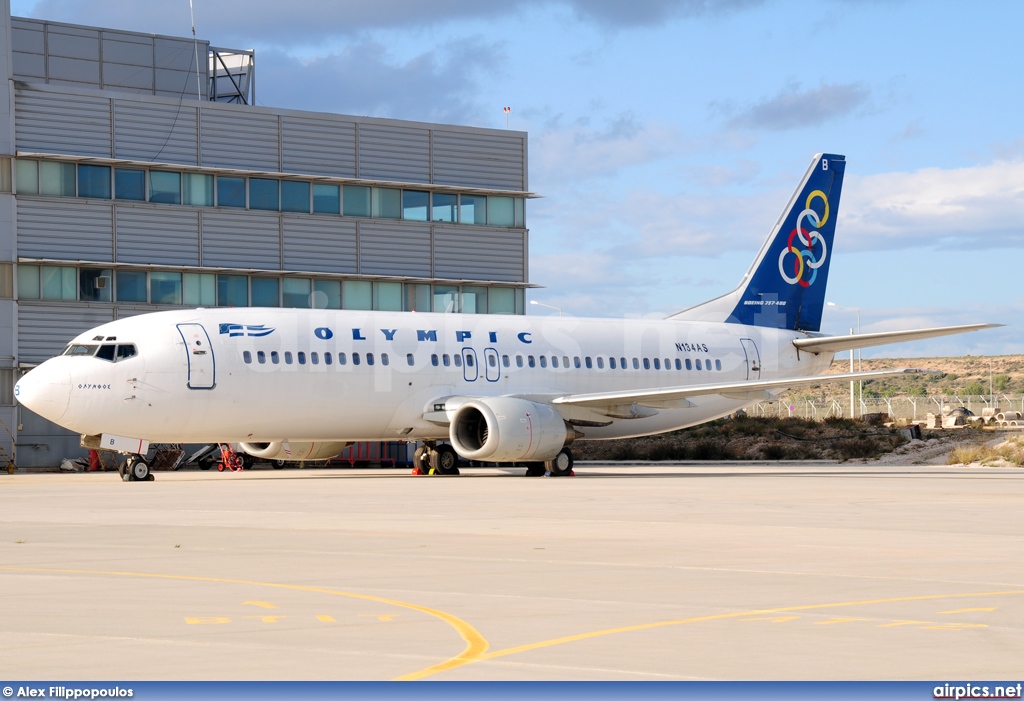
(476, 644)
(699, 619)
(818, 193)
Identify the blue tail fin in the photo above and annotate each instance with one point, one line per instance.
(785, 287)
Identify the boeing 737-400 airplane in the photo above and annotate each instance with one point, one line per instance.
(303, 384)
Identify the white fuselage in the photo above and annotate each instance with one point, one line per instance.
(207, 375)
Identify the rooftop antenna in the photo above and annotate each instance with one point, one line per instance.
(195, 46)
(507, 109)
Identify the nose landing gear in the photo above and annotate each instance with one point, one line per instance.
(135, 469)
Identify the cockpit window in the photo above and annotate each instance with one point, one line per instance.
(106, 352)
(79, 349)
(126, 351)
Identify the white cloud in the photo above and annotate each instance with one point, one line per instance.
(582, 151)
(977, 206)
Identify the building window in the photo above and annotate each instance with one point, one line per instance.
(473, 209)
(445, 207)
(197, 189)
(520, 212)
(387, 296)
(230, 191)
(130, 184)
(57, 179)
(296, 292)
(232, 291)
(327, 294)
(294, 196)
(446, 299)
(26, 176)
(164, 187)
(357, 294)
(264, 194)
(164, 287)
(500, 211)
(502, 300)
(326, 199)
(417, 297)
(131, 286)
(474, 300)
(58, 282)
(357, 201)
(200, 289)
(94, 284)
(265, 292)
(386, 203)
(28, 282)
(415, 205)
(94, 181)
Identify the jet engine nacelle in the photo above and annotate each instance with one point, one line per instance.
(506, 429)
(287, 450)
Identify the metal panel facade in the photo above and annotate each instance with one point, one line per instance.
(398, 248)
(241, 240)
(394, 153)
(319, 244)
(160, 236)
(49, 122)
(479, 160)
(480, 254)
(318, 146)
(155, 132)
(65, 230)
(238, 138)
(45, 328)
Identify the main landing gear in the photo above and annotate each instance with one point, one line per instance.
(559, 466)
(135, 469)
(435, 459)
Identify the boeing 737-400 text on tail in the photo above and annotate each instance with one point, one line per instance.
(303, 384)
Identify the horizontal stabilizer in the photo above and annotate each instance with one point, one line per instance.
(831, 344)
(753, 390)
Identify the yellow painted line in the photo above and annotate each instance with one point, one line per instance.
(954, 626)
(476, 644)
(207, 620)
(458, 662)
(893, 624)
(267, 619)
(993, 608)
(840, 620)
(773, 619)
(388, 617)
(326, 619)
(261, 604)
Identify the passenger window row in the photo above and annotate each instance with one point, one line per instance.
(314, 358)
(457, 360)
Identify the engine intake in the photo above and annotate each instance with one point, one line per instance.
(506, 429)
(286, 450)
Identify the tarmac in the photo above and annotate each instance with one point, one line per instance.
(640, 572)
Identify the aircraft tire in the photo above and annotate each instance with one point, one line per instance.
(444, 460)
(138, 469)
(279, 464)
(561, 465)
(421, 460)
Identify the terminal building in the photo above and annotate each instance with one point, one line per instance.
(137, 175)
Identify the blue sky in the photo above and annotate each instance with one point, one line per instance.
(667, 135)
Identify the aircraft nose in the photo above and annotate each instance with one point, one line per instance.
(46, 391)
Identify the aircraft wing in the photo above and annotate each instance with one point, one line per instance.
(673, 397)
(831, 344)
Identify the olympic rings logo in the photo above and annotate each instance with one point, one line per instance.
(801, 245)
